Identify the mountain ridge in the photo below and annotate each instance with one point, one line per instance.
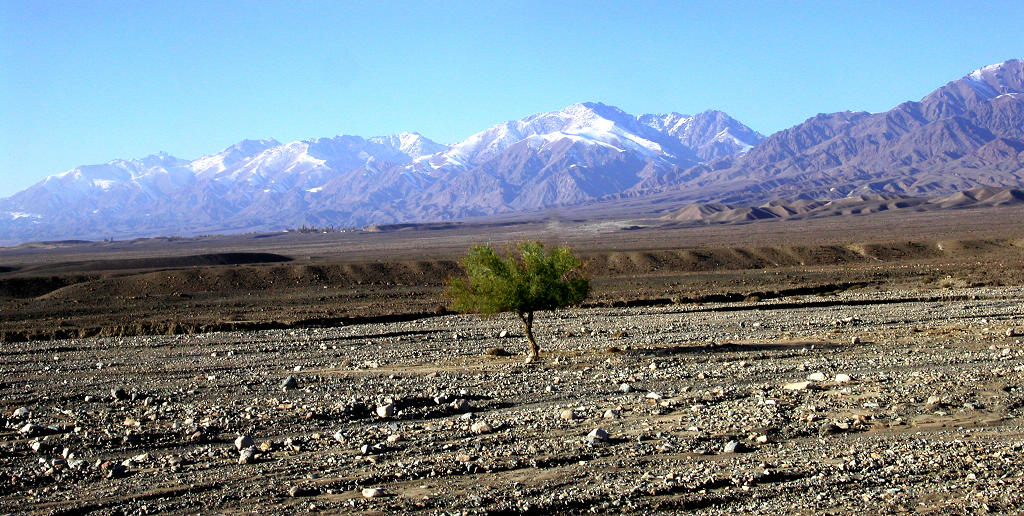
(966, 134)
(580, 153)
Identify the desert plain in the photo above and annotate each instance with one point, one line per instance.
(853, 364)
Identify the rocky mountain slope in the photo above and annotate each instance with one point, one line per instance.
(581, 153)
(966, 134)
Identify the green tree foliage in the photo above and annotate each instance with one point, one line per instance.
(530, 278)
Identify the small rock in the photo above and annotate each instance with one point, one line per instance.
(289, 383)
(933, 402)
(460, 405)
(843, 378)
(481, 427)
(119, 393)
(247, 456)
(828, 428)
(339, 436)
(855, 340)
(30, 429)
(797, 386)
(816, 377)
(372, 492)
(567, 414)
(20, 413)
(1011, 332)
(297, 491)
(626, 388)
(653, 395)
(612, 414)
(598, 434)
(497, 352)
(734, 447)
(116, 471)
(387, 410)
(503, 334)
(243, 441)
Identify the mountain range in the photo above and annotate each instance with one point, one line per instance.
(966, 134)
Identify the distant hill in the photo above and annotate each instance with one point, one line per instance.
(718, 213)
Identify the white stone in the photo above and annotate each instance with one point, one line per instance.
(481, 427)
(797, 386)
(816, 377)
(598, 434)
(387, 410)
(243, 441)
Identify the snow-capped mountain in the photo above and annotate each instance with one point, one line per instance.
(966, 134)
(577, 154)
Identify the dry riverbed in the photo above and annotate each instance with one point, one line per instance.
(864, 401)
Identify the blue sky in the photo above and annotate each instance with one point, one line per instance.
(87, 82)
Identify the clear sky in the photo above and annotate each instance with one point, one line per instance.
(86, 82)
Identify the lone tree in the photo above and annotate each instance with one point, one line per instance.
(536, 279)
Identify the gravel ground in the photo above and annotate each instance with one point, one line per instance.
(876, 402)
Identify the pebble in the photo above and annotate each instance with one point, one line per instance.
(598, 434)
(243, 441)
(843, 378)
(372, 492)
(625, 387)
(797, 386)
(30, 429)
(734, 447)
(116, 471)
(119, 393)
(297, 491)
(816, 377)
(387, 410)
(567, 414)
(20, 413)
(247, 456)
(289, 383)
(481, 427)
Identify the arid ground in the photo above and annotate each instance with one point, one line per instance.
(849, 364)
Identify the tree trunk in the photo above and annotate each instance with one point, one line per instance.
(527, 319)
